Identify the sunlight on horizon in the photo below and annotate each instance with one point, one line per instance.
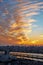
(21, 22)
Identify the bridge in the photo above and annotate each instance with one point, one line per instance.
(9, 55)
(28, 56)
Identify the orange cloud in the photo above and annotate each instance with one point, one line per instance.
(41, 36)
(7, 40)
(20, 24)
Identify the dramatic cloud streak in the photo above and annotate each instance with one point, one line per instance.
(17, 18)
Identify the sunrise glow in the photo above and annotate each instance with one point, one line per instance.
(21, 22)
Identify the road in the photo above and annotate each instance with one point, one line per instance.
(29, 56)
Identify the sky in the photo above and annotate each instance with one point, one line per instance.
(21, 22)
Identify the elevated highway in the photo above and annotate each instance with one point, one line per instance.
(29, 56)
(21, 55)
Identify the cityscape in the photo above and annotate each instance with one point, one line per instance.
(21, 32)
